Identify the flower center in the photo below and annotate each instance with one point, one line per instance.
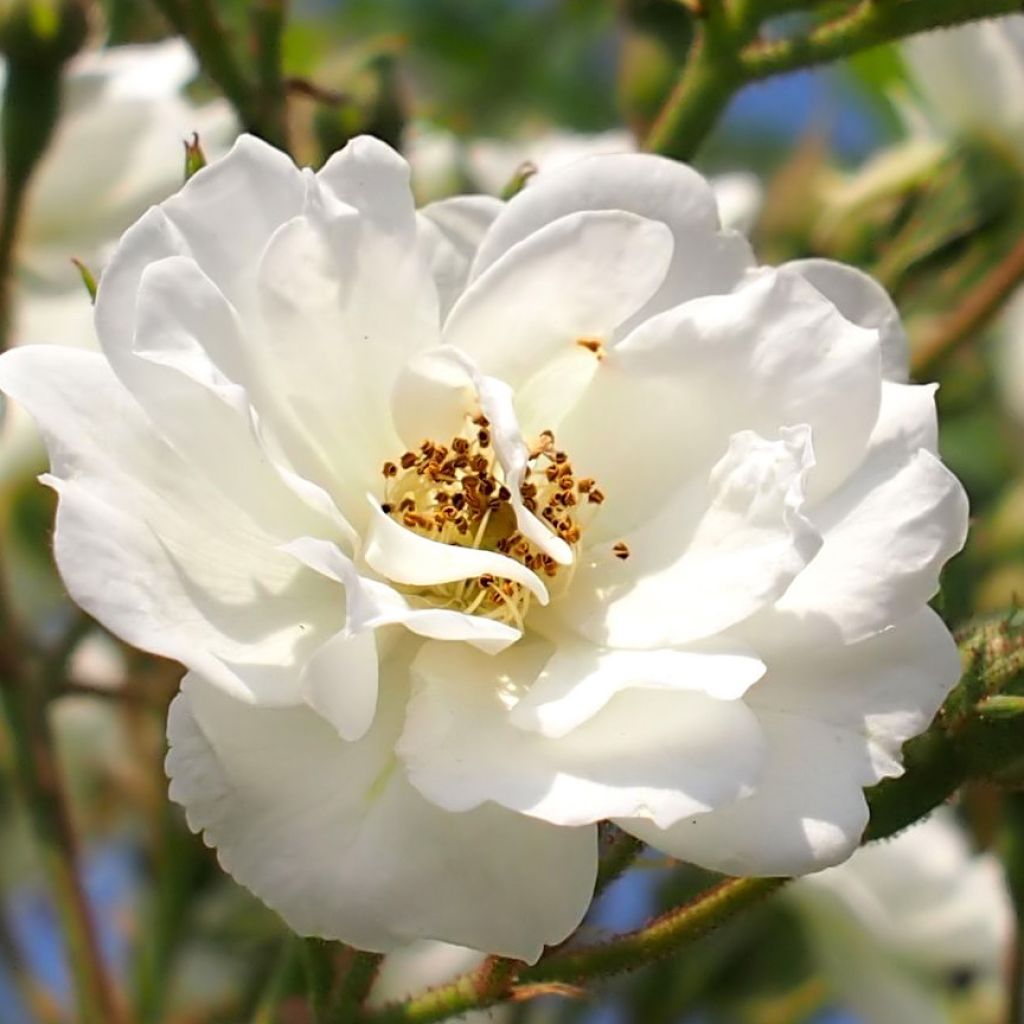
(457, 494)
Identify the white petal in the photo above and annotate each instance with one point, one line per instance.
(333, 838)
(835, 722)
(863, 301)
(973, 77)
(577, 278)
(340, 682)
(185, 330)
(412, 559)
(371, 604)
(705, 259)
(654, 753)
(887, 535)
(740, 197)
(579, 680)
(894, 924)
(710, 558)
(807, 812)
(53, 318)
(453, 228)
(399, 305)
(223, 218)
(654, 414)
(493, 162)
(155, 551)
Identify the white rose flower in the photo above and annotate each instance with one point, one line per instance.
(477, 526)
(117, 150)
(915, 929)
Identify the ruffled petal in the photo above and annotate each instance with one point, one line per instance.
(835, 721)
(705, 260)
(451, 231)
(153, 549)
(653, 413)
(710, 558)
(578, 680)
(371, 604)
(408, 558)
(863, 301)
(340, 682)
(332, 837)
(657, 753)
(571, 281)
(887, 534)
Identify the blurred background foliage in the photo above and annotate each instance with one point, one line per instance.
(188, 944)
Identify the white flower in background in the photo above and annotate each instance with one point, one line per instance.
(116, 151)
(971, 79)
(971, 82)
(492, 163)
(964, 82)
(440, 164)
(477, 526)
(425, 964)
(917, 929)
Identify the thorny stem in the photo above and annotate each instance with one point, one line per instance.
(616, 859)
(661, 937)
(727, 54)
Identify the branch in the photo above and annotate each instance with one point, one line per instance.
(268, 24)
(726, 54)
(198, 22)
(870, 23)
(499, 980)
(978, 308)
(23, 696)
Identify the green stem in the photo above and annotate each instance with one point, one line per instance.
(870, 23)
(726, 55)
(198, 22)
(31, 107)
(711, 76)
(616, 859)
(268, 23)
(319, 971)
(665, 935)
(278, 984)
(354, 987)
